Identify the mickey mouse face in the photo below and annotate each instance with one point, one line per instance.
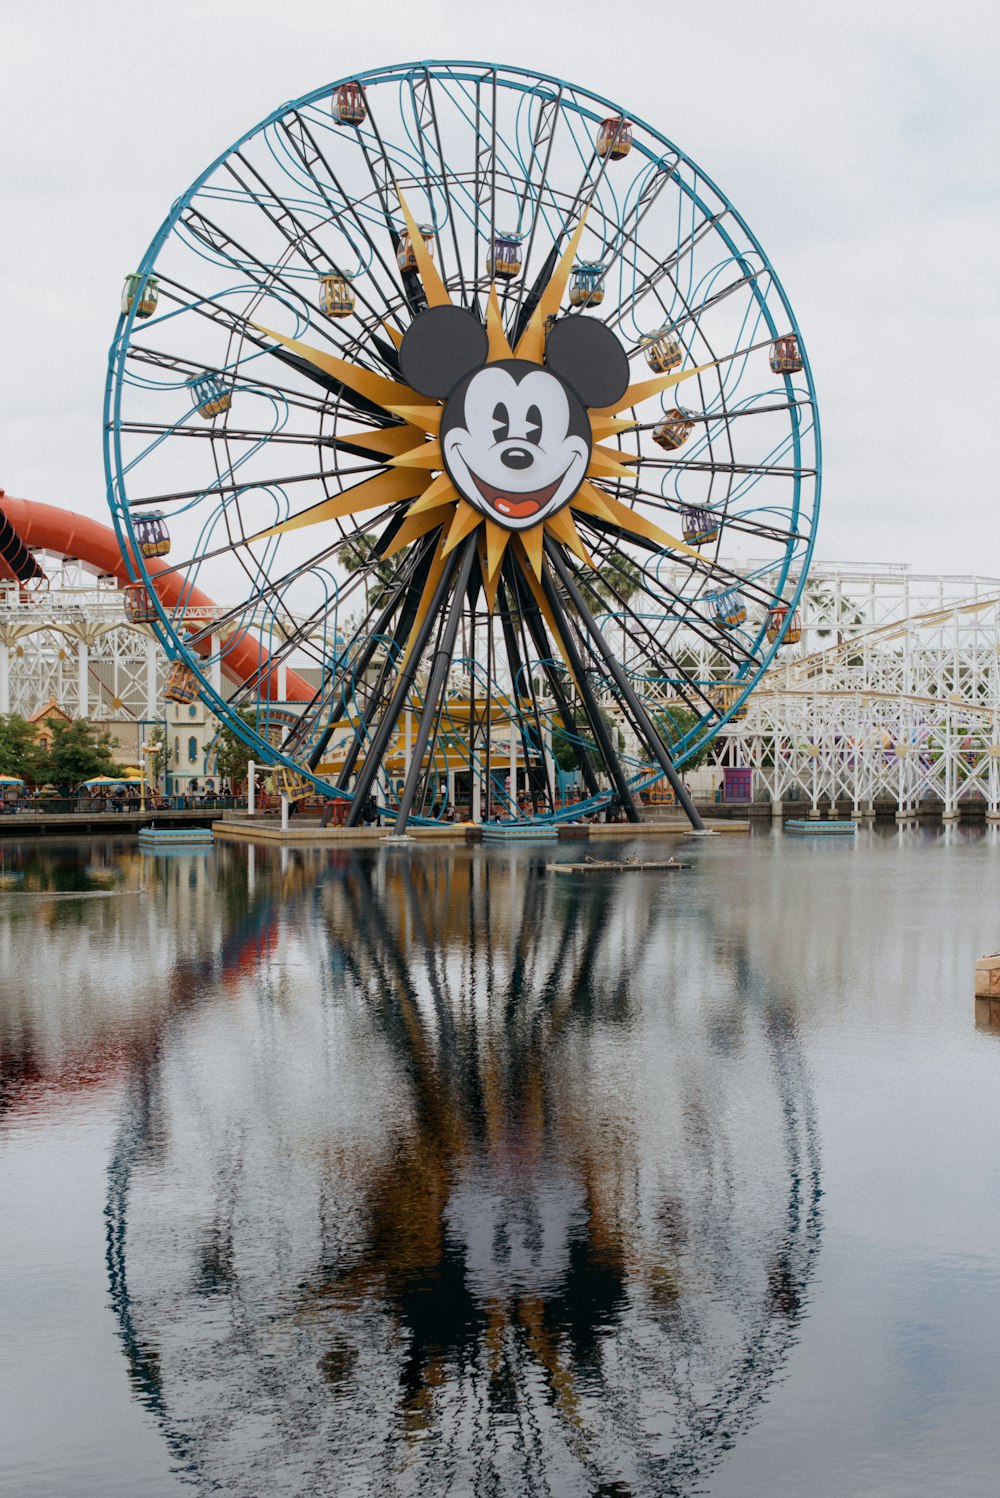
(515, 435)
(516, 442)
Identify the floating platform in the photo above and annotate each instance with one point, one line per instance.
(518, 832)
(302, 832)
(164, 839)
(603, 865)
(831, 829)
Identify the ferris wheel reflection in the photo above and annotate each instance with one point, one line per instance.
(454, 1172)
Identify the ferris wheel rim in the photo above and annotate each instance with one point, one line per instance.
(529, 82)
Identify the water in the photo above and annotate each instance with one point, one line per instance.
(432, 1172)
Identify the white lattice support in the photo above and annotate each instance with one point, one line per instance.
(82, 679)
(150, 675)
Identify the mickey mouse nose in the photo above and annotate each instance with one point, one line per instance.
(517, 457)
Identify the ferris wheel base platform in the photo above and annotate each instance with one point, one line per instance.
(241, 828)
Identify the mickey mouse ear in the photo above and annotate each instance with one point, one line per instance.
(440, 347)
(588, 356)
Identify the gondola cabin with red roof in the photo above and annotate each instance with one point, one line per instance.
(614, 138)
(348, 106)
(775, 621)
(786, 357)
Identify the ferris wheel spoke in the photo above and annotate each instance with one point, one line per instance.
(305, 143)
(662, 270)
(319, 261)
(661, 175)
(543, 137)
(644, 638)
(426, 122)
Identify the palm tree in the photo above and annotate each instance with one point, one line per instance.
(357, 555)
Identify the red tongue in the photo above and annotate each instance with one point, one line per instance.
(516, 509)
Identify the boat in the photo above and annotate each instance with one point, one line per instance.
(164, 839)
(519, 832)
(842, 829)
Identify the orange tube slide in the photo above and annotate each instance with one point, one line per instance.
(69, 535)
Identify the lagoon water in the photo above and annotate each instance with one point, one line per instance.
(431, 1172)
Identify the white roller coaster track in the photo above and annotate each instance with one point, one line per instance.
(902, 707)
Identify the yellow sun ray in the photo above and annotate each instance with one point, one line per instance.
(415, 526)
(386, 442)
(531, 344)
(465, 521)
(563, 527)
(439, 490)
(364, 382)
(609, 426)
(390, 487)
(606, 463)
(497, 538)
(393, 332)
(636, 394)
(434, 288)
(427, 455)
(616, 454)
(533, 542)
(426, 418)
(591, 501)
(499, 345)
(538, 594)
(491, 581)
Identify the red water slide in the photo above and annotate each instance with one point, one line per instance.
(45, 527)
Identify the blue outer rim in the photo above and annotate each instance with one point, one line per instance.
(514, 77)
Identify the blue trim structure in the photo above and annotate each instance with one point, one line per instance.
(243, 247)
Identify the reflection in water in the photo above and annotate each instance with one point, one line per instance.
(442, 1175)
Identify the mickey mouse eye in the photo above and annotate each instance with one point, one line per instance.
(501, 416)
(534, 432)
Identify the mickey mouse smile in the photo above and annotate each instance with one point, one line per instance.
(515, 506)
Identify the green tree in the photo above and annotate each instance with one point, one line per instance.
(565, 750)
(674, 724)
(156, 759)
(77, 752)
(232, 755)
(618, 579)
(20, 751)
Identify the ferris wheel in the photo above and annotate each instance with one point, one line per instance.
(488, 411)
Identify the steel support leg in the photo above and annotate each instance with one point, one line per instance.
(638, 711)
(591, 706)
(435, 684)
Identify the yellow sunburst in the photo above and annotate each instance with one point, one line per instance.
(414, 464)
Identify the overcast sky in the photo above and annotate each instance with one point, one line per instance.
(859, 139)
